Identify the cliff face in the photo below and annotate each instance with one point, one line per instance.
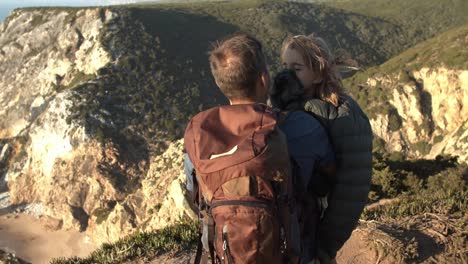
(432, 109)
(72, 142)
(42, 50)
(417, 101)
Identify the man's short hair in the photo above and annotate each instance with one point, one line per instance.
(236, 64)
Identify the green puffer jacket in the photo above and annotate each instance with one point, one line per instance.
(351, 136)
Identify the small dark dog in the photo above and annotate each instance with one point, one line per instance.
(287, 91)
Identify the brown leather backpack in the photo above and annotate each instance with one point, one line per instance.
(244, 180)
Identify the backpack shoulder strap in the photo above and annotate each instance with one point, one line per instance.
(205, 244)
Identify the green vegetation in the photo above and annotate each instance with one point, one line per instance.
(422, 147)
(166, 100)
(142, 245)
(9, 258)
(446, 50)
(426, 197)
(438, 139)
(414, 16)
(421, 186)
(37, 20)
(435, 204)
(394, 121)
(370, 38)
(101, 214)
(78, 78)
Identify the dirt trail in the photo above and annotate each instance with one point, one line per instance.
(356, 251)
(24, 235)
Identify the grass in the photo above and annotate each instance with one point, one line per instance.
(421, 186)
(142, 245)
(426, 217)
(9, 258)
(78, 79)
(444, 193)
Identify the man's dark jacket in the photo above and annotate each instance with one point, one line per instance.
(351, 136)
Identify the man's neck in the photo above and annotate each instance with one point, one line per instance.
(241, 101)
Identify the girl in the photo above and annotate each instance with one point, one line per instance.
(350, 134)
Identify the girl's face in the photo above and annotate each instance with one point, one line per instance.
(291, 59)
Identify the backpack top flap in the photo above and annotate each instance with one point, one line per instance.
(225, 136)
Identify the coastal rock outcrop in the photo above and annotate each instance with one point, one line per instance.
(430, 116)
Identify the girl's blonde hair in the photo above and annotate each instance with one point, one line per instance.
(319, 58)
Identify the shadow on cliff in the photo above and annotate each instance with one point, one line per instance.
(11, 208)
(425, 103)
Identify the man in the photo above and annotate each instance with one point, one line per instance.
(239, 69)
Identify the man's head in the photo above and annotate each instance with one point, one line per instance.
(239, 69)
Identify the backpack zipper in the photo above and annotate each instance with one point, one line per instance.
(262, 204)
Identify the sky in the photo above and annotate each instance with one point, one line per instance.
(6, 6)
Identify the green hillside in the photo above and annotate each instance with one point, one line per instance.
(271, 21)
(421, 18)
(372, 32)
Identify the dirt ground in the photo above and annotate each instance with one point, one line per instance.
(28, 239)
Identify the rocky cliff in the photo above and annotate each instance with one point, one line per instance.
(417, 101)
(431, 114)
(74, 139)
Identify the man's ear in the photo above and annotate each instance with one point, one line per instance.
(263, 87)
(216, 81)
(265, 80)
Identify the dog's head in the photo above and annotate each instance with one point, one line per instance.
(287, 91)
